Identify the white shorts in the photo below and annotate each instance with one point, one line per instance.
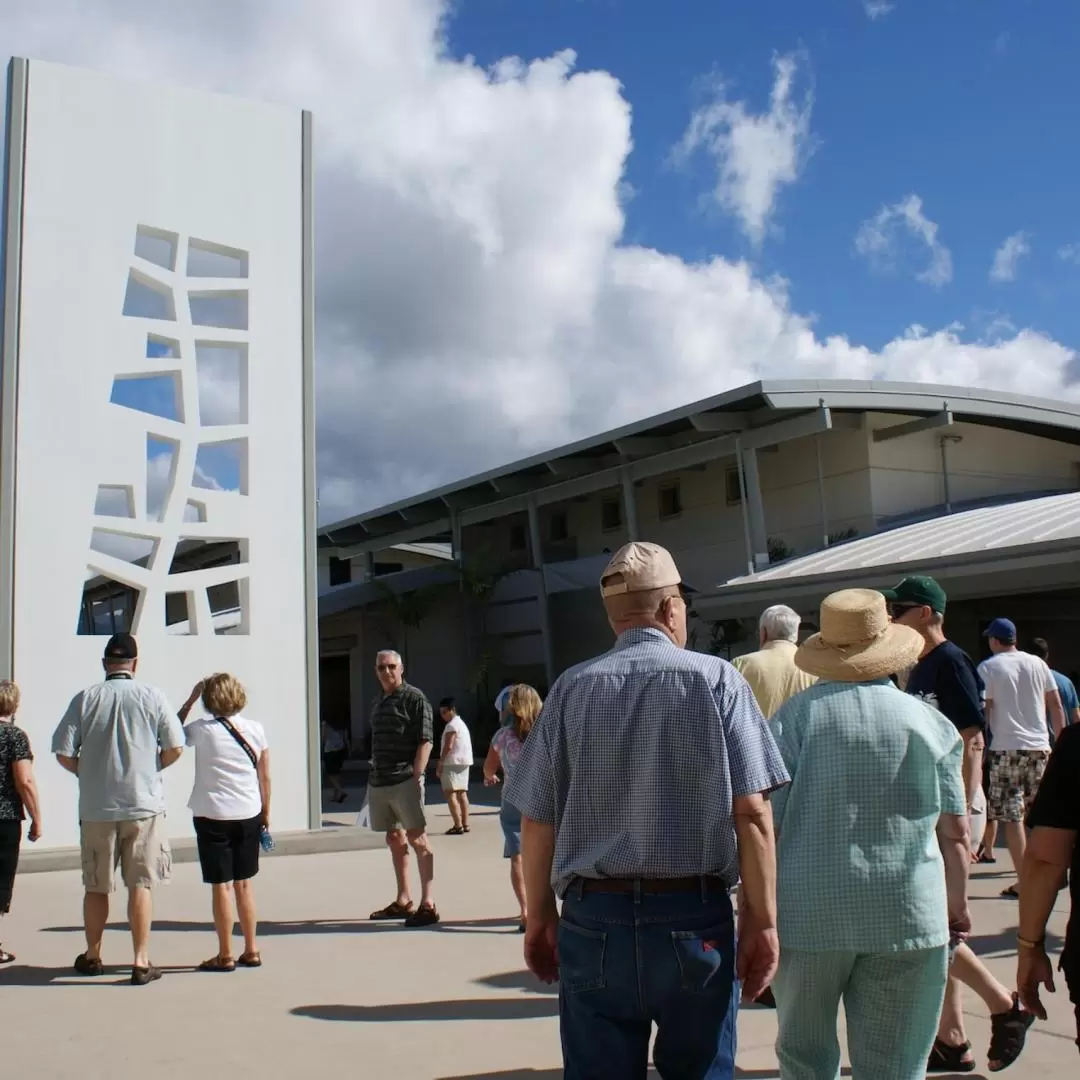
(455, 777)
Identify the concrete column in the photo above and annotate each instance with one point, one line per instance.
(629, 501)
(455, 538)
(369, 565)
(537, 552)
(755, 509)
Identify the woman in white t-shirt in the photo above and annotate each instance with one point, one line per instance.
(231, 805)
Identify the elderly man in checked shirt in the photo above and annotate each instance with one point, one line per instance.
(642, 791)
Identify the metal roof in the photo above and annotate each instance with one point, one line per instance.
(737, 412)
(972, 535)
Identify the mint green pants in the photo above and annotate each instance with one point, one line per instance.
(892, 1002)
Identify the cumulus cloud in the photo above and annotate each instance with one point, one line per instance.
(756, 154)
(1006, 258)
(877, 9)
(881, 240)
(476, 300)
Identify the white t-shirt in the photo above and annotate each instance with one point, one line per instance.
(1016, 687)
(461, 754)
(226, 783)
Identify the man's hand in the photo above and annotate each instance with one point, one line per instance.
(35, 832)
(756, 959)
(542, 947)
(1034, 969)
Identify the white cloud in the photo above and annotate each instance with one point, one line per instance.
(877, 9)
(756, 154)
(1013, 249)
(880, 239)
(476, 299)
(1069, 253)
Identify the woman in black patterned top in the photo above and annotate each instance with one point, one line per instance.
(18, 794)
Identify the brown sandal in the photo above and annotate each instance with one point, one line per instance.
(250, 960)
(392, 911)
(218, 963)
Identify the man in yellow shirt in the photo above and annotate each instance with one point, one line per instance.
(771, 671)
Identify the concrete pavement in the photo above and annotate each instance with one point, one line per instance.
(341, 995)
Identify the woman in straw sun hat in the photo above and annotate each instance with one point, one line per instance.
(864, 897)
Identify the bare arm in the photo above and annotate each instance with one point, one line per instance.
(449, 741)
(263, 770)
(1049, 853)
(973, 755)
(537, 856)
(954, 839)
(1055, 712)
(757, 859)
(491, 766)
(171, 756)
(69, 763)
(23, 773)
(420, 762)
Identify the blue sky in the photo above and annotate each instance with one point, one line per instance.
(971, 104)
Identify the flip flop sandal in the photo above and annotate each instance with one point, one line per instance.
(250, 960)
(6, 958)
(1008, 1033)
(950, 1059)
(218, 963)
(392, 911)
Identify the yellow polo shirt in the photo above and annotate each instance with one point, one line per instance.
(772, 675)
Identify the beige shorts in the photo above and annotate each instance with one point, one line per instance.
(140, 848)
(455, 777)
(400, 806)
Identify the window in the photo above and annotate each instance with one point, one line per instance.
(340, 571)
(670, 500)
(611, 514)
(732, 487)
(517, 537)
(381, 568)
(559, 527)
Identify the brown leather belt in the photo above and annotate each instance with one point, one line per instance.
(651, 885)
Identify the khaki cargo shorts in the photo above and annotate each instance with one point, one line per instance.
(400, 806)
(140, 848)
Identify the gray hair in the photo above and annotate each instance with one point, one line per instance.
(780, 623)
(390, 652)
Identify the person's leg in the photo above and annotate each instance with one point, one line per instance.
(808, 988)
(463, 808)
(951, 1030)
(399, 853)
(452, 803)
(968, 969)
(95, 916)
(425, 863)
(1016, 838)
(98, 840)
(224, 918)
(893, 1002)
(249, 921)
(686, 942)
(140, 918)
(517, 881)
(603, 1025)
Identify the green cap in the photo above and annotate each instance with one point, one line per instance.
(917, 590)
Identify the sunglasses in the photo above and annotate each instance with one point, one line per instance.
(386, 667)
(897, 610)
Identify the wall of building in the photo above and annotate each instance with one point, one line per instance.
(906, 473)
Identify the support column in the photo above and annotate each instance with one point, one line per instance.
(629, 501)
(455, 538)
(536, 550)
(369, 565)
(821, 494)
(755, 509)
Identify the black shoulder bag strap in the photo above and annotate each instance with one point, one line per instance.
(231, 729)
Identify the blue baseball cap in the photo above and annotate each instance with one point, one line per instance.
(1002, 629)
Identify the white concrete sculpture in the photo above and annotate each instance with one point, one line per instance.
(156, 437)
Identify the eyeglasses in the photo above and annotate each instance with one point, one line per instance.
(899, 610)
(386, 667)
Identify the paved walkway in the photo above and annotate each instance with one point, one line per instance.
(341, 996)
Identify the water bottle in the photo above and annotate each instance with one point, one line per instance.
(266, 839)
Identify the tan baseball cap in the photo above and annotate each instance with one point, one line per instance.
(642, 567)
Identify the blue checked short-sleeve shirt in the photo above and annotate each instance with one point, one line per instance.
(858, 863)
(636, 758)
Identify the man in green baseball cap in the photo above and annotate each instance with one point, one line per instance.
(915, 592)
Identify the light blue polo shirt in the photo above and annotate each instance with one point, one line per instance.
(117, 730)
(858, 863)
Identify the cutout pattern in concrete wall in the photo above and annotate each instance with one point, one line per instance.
(160, 553)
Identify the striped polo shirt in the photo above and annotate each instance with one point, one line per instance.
(400, 723)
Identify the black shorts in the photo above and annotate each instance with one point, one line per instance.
(334, 761)
(10, 838)
(228, 850)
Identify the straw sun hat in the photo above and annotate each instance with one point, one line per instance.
(857, 642)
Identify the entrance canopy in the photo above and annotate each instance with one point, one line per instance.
(1030, 545)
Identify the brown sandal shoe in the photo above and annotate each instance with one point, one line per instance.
(218, 963)
(250, 960)
(392, 911)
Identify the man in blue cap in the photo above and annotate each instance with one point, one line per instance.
(1020, 694)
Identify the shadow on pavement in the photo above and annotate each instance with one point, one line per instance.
(1004, 943)
(316, 926)
(515, 1008)
(517, 980)
(24, 975)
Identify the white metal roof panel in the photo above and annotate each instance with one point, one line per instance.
(974, 532)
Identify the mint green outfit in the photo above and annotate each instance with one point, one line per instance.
(861, 902)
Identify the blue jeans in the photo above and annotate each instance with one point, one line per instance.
(628, 961)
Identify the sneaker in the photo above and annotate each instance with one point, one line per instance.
(425, 915)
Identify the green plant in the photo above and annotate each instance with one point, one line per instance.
(844, 534)
(778, 550)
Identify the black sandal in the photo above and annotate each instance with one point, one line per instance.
(391, 911)
(950, 1059)
(1008, 1033)
(1010, 894)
